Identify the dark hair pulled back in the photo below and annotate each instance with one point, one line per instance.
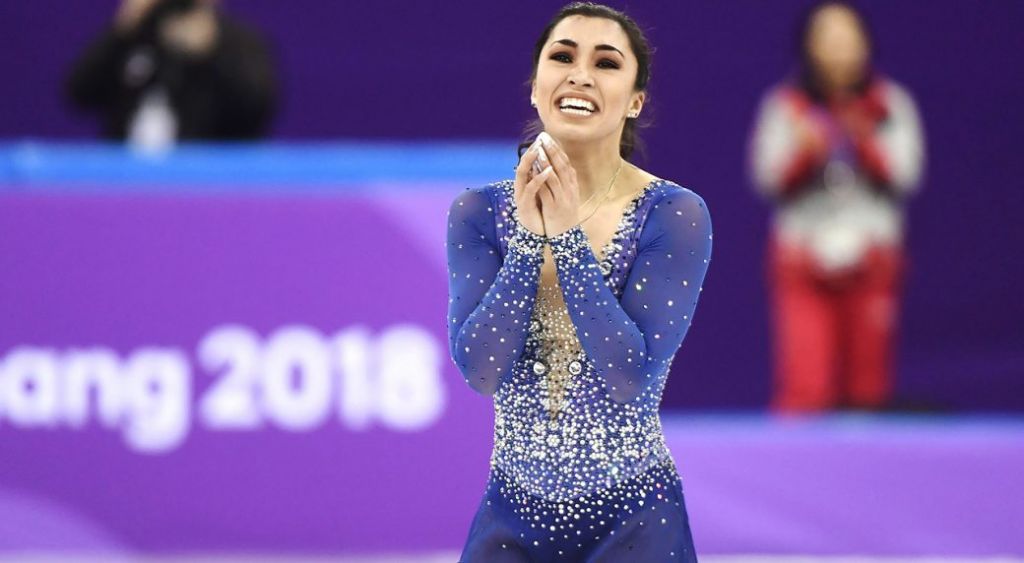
(637, 43)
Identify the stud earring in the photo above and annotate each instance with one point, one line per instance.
(633, 114)
(533, 103)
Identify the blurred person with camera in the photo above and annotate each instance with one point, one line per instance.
(170, 70)
(837, 148)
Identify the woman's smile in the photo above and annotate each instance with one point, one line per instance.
(576, 106)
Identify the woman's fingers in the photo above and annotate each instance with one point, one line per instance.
(558, 158)
(538, 183)
(563, 169)
(547, 201)
(542, 161)
(523, 169)
(556, 186)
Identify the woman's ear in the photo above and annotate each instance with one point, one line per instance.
(636, 104)
(533, 93)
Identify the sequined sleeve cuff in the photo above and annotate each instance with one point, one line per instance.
(527, 243)
(570, 244)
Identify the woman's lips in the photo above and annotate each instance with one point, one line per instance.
(577, 106)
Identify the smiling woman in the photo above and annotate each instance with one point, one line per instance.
(571, 289)
(609, 57)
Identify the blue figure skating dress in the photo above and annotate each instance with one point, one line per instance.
(580, 470)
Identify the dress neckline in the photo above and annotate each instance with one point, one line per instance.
(620, 228)
(617, 234)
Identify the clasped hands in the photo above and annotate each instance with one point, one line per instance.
(191, 32)
(548, 201)
(857, 118)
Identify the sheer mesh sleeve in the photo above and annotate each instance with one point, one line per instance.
(632, 341)
(490, 300)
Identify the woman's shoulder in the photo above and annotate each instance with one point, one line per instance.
(663, 190)
(484, 192)
(477, 195)
(893, 91)
(672, 200)
(676, 215)
(478, 204)
(672, 190)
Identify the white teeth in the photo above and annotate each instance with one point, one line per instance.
(575, 111)
(577, 103)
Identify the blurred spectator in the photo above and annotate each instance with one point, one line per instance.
(837, 148)
(176, 69)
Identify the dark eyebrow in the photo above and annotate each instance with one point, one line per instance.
(605, 47)
(601, 47)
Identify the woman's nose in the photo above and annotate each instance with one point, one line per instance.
(580, 77)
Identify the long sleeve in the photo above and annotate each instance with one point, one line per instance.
(893, 154)
(780, 163)
(490, 299)
(95, 78)
(632, 340)
(239, 74)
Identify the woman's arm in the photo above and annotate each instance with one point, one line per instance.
(490, 300)
(95, 79)
(240, 72)
(893, 151)
(631, 341)
(787, 146)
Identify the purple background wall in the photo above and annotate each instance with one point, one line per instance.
(456, 70)
(220, 283)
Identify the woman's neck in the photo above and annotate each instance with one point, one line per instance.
(595, 165)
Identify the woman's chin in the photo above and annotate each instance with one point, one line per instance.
(575, 131)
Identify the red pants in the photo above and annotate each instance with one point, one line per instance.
(833, 332)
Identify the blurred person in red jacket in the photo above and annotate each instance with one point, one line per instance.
(837, 148)
(168, 70)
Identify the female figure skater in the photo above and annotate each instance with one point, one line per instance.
(571, 289)
(837, 148)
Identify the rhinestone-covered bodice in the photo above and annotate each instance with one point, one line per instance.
(576, 367)
(558, 434)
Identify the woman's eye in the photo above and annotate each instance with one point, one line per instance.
(607, 63)
(561, 57)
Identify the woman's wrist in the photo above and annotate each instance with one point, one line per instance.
(537, 233)
(560, 232)
(527, 242)
(569, 243)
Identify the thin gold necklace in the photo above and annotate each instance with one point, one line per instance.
(606, 193)
(589, 199)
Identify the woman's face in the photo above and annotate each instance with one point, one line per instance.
(838, 47)
(584, 83)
